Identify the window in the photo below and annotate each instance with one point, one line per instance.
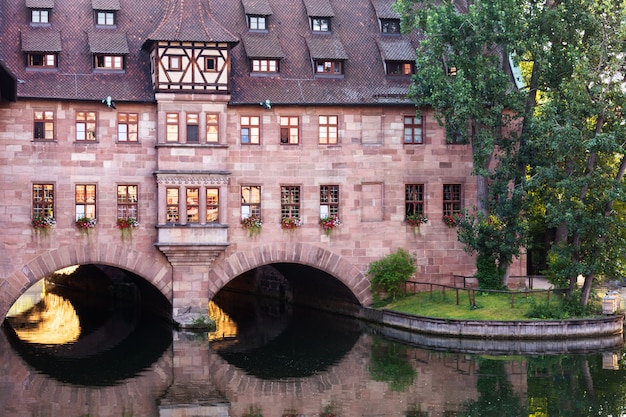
(171, 205)
(257, 22)
(265, 65)
(289, 201)
(250, 201)
(414, 199)
(127, 127)
(42, 60)
(329, 67)
(319, 24)
(85, 201)
(210, 64)
(250, 129)
(39, 16)
(289, 131)
(413, 129)
(127, 201)
(115, 62)
(175, 63)
(44, 125)
(192, 128)
(192, 207)
(86, 126)
(451, 199)
(43, 200)
(171, 129)
(212, 205)
(391, 26)
(105, 18)
(399, 68)
(212, 128)
(329, 200)
(328, 128)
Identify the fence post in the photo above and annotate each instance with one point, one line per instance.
(457, 296)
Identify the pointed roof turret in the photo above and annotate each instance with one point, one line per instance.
(189, 21)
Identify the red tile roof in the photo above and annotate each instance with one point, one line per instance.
(318, 8)
(355, 38)
(105, 4)
(40, 4)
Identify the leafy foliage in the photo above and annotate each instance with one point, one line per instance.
(391, 273)
(389, 363)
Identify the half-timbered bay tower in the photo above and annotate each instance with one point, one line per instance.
(228, 129)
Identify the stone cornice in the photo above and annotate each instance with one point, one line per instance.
(192, 178)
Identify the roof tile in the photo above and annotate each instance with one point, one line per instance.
(263, 46)
(105, 4)
(324, 47)
(396, 50)
(319, 8)
(108, 43)
(40, 4)
(41, 40)
(384, 10)
(257, 7)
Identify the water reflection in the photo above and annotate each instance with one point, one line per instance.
(281, 362)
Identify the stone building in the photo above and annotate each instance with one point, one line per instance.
(191, 115)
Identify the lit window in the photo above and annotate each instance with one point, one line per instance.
(192, 127)
(86, 126)
(171, 205)
(250, 130)
(289, 130)
(399, 68)
(43, 200)
(127, 127)
(39, 16)
(328, 128)
(329, 67)
(413, 199)
(250, 201)
(172, 127)
(289, 201)
(85, 201)
(329, 200)
(212, 128)
(451, 199)
(257, 22)
(109, 62)
(42, 60)
(44, 125)
(413, 129)
(127, 201)
(105, 18)
(212, 205)
(192, 207)
(320, 24)
(265, 65)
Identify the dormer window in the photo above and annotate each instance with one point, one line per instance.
(320, 24)
(257, 22)
(265, 66)
(264, 53)
(42, 60)
(105, 18)
(390, 26)
(109, 62)
(40, 16)
(400, 68)
(329, 67)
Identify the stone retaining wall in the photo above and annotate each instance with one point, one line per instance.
(527, 329)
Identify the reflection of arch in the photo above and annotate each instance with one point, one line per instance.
(300, 253)
(152, 267)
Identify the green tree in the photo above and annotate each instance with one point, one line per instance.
(459, 74)
(390, 273)
(557, 142)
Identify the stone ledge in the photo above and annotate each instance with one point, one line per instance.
(504, 330)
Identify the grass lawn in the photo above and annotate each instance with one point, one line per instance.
(490, 306)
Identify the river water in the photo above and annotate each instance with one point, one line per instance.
(65, 355)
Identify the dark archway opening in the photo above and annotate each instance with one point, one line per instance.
(92, 325)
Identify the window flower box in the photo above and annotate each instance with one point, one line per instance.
(253, 224)
(43, 223)
(416, 220)
(451, 220)
(328, 223)
(290, 223)
(126, 225)
(85, 224)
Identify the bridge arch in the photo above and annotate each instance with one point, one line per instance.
(230, 267)
(150, 266)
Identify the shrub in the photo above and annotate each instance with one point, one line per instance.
(390, 273)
